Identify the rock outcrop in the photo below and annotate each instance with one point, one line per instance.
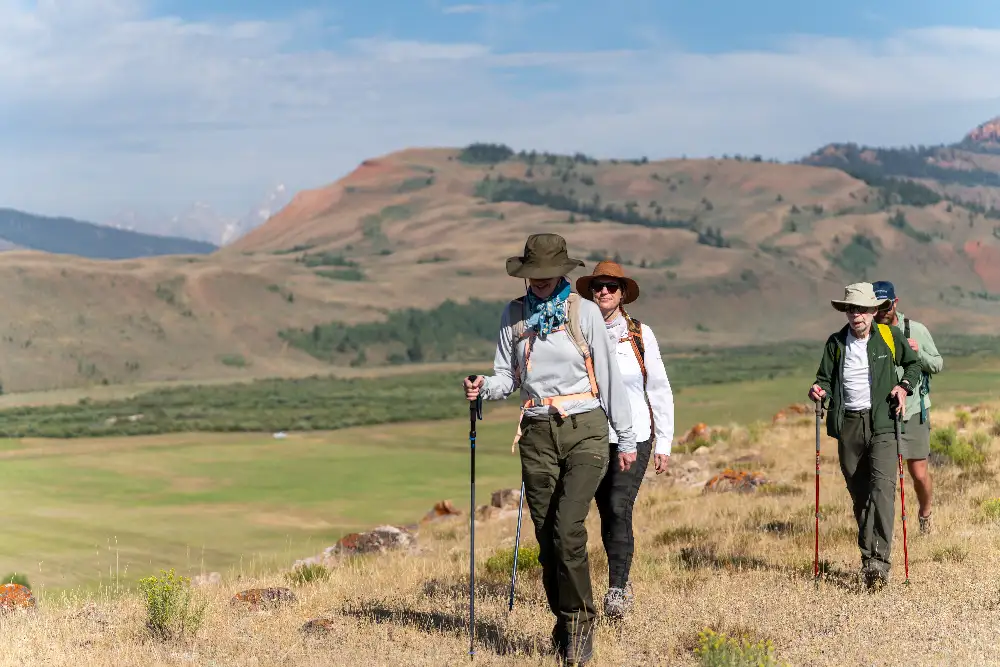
(16, 596)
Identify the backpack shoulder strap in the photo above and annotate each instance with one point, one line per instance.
(906, 327)
(635, 335)
(573, 327)
(518, 322)
(889, 340)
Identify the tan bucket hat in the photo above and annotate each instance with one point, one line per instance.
(861, 295)
(608, 269)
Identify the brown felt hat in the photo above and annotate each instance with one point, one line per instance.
(545, 256)
(608, 269)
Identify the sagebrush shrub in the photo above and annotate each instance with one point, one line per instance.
(717, 650)
(170, 608)
(503, 560)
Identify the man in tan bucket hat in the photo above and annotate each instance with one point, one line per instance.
(858, 374)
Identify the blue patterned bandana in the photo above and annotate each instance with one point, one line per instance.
(549, 313)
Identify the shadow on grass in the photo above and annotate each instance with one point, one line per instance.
(525, 592)
(706, 557)
(489, 634)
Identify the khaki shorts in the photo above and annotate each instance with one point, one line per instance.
(915, 442)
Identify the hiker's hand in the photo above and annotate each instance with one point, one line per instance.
(661, 461)
(899, 395)
(816, 393)
(472, 388)
(914, 345)
(625, 460)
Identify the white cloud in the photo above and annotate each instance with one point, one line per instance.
(103, 107)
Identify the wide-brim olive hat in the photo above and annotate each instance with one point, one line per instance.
(608, 269)
(545, 256)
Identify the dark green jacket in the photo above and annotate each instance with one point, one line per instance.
(830, 377)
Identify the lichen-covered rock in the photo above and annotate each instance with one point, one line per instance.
(698, 432)
(376, 541)
(506, 499)
(263, 598)
(732, 480)
(442, 510)
(16, 596)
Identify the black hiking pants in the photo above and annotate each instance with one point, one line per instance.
(615, 499)
(562, 463)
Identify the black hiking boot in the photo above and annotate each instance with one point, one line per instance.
(874, 578)
(579, 650)
(925, 524)
(560, 639)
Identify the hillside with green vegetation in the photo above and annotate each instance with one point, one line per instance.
(85, 239)
(730, 252)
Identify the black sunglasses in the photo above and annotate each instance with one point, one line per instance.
(598, 285)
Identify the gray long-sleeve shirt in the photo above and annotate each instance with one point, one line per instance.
(558, 369)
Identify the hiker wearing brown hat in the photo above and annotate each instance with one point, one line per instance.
(652, 401)
(554, 346)
(858, 374)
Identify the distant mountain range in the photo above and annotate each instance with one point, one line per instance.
(26, 231)
(203, 223)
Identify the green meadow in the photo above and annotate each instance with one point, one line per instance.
(94, 507)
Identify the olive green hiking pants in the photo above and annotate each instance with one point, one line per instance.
(870, 468)
(562, 463)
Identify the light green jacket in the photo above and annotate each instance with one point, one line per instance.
(931, 363)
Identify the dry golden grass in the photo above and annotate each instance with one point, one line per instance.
(736, 563)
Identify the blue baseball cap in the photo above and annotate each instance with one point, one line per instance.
(884, 290)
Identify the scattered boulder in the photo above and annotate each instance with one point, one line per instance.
(209, 579)
(487, 512)
(731, 480)
(506, 499)
(699, 430)
(318, 626)
(261, 598)
(16, 596)
(379, 540)
(441, 510)
(702, 451)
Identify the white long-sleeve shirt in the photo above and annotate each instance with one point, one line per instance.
(661, 396)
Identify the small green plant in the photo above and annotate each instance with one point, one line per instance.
(717, 650)
(955, 553)
(235, 360)
(308, 572)
(503, 560)
(351, 275)
(962, 418)
(171, 611)
(16, 578)
(965, 453)
(991, 508)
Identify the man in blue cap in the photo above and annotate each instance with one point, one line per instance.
(916, 437)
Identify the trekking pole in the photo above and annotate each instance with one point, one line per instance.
(819, 419)
(475, 412)
(902, 496)
(517, 546)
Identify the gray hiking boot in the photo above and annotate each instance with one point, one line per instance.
(925, 524)
(618, 601)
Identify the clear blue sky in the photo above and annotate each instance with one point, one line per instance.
(151, 105)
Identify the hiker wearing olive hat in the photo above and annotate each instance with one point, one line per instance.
(554, 346)
(858, 374)
(652, 401)
(916, 437)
